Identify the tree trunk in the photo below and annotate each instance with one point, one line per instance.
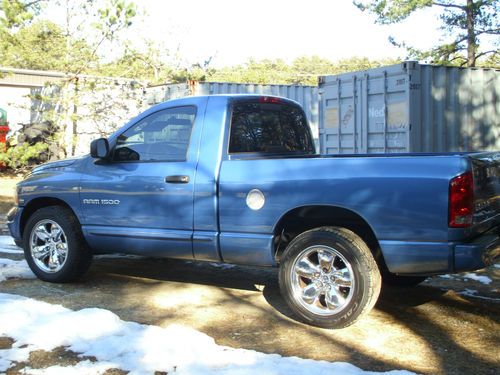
(74, 119)
(471, 34)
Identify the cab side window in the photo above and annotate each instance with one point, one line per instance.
(162, 136)
(269, 128)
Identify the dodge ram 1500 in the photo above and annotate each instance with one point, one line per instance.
(235, 178)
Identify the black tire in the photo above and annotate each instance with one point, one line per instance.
(349, 252)
(78, 256)
(401, 281)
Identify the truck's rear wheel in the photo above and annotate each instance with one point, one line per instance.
(329, 277)
(54, 246)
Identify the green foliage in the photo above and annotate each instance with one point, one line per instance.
(155, 64)
(391, 11)
(29, 42)
(194, 72)
(115, 15)
(149, 63)
(17, 13)
(42, 45)
(32, 43)
(302, 71)
(20, 156)
(464, 23)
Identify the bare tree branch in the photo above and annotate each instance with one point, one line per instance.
(444, 5)
(485, 53)
(27, 5)
(488, 31)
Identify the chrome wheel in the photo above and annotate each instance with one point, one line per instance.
(48, 246)
(322, 280)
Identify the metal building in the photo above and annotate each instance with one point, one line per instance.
(410, 107)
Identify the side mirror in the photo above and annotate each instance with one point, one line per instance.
(99, 148)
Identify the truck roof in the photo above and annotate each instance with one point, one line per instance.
(230, 96)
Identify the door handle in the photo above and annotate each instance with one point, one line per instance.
(177, 179)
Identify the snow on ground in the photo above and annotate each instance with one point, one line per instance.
(12, 268)
(15, 269)
(7, 245)
(482, 279)
(474, 293)
(224, 266)
(140, 349)
(470, 276)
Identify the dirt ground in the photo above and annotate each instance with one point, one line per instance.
(444, 326)
(429, 329)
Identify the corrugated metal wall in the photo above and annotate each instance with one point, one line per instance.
(307, 96)
(459, 108)
(410, 107)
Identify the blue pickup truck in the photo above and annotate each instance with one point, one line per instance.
(235, 178)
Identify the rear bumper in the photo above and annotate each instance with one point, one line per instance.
(480, 253)
(432, 258)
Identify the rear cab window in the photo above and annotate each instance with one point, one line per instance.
(268, 126)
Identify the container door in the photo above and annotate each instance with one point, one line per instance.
(339, 128)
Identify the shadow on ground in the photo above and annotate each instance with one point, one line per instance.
(423, 329)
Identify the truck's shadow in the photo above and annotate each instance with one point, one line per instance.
(256, 279)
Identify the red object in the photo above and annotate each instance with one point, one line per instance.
(270, 100)
(461, 201)
(4, 129)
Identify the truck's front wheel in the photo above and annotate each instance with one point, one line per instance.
(54, 246)
(329, 277)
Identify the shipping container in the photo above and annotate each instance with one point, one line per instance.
(410, 107)
(307, 96)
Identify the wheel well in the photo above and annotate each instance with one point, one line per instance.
(305, 218)
(38, 203)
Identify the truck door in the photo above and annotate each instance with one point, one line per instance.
(141, 201)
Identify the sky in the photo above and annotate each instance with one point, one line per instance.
(233, 31)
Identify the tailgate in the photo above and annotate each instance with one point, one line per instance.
(486, 172)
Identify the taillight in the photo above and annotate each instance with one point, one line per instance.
(461, 201)
(270, 100)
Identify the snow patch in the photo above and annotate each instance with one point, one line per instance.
(19, 269)
(224, 266)
(140, 349)
(7, 245)
(473, 293)
(81, 368)
(482, 279)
